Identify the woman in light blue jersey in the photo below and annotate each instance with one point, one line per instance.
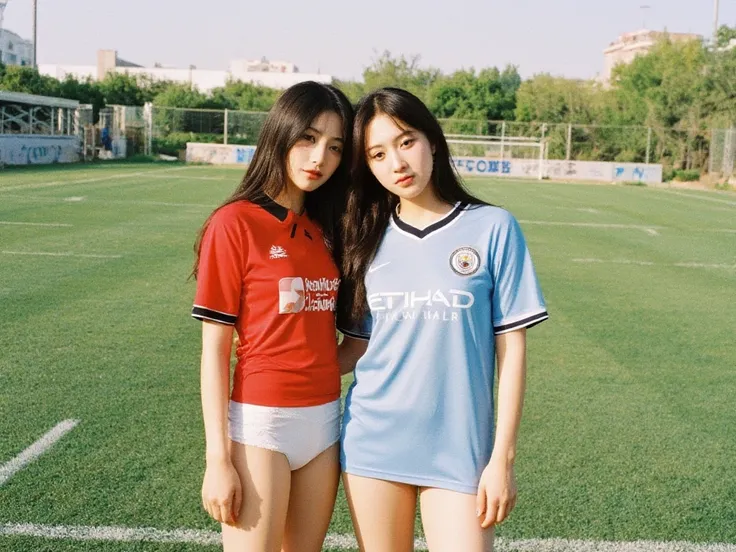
(438, 289)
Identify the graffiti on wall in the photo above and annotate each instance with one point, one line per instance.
(41, 150)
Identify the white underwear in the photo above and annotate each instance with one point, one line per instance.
(300, 433)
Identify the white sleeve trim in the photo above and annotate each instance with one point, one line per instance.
(525, 320)
(203, 313)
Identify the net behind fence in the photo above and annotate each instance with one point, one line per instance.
(172, 128)
(723, 153)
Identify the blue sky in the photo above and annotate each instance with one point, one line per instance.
(562, 37)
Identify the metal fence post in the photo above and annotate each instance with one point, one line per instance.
(226, 127)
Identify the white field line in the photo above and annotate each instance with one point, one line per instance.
(211, 538)
(534, 181)
(649, 263)
(566, 545)
(9, 469)
(49, 254)
(589, 224)
(164, 203)
(86, 180)
(52, 224)
(705, 265)
(590, 210)
(80, 199)
(193, 177)
(651, 230)
(703, 198)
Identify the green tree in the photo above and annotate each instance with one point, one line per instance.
(400, 72)
(121, 89)
(182, 95)
(557, 100)
(28, 81)
(85, 92)
(487, 95)
(725, 35)
(666, 90)
(245, 96)
(354, 90)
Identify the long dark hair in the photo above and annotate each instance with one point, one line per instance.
(369, 205)
(267, 175)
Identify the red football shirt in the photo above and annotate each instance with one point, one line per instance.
(267, 271)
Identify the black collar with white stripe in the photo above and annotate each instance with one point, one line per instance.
(434, 227)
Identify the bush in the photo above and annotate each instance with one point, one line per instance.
(686, 175)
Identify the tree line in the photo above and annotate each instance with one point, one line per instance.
(679, 90)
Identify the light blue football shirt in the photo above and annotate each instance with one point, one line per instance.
(420, 410)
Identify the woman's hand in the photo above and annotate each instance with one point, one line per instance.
(496, 493)
(222, 491)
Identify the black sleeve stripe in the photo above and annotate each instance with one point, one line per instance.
(354, 335)
(524, 323)
(201, 313)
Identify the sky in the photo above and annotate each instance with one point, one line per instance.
(342, 37)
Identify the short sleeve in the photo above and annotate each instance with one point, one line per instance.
(361, 330)
(221, 270)
(517, 300)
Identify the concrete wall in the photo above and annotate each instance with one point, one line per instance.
(38, 150)
(218, 154)
(560, 170)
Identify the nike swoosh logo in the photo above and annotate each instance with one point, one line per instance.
(378, 267)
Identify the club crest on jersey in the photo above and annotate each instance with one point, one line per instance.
(277, 252)
(465, 261)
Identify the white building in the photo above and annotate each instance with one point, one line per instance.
(730, 46)
(630, 45)
(262, 66)
(15, 50)
(274, 74)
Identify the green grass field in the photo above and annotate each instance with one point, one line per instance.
(629, 431)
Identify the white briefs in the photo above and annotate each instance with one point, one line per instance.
(300, 433)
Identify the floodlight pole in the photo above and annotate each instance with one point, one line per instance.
(715, 22)
(35, 32)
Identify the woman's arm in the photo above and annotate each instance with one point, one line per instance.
(497, 489)
(221, 489)
(349, 352)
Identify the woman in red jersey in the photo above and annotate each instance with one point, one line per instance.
(265, 270)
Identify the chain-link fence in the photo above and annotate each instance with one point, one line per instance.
(168, 129)
(673, 148)
(723, 153)
(568, 141)
(172, 128)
